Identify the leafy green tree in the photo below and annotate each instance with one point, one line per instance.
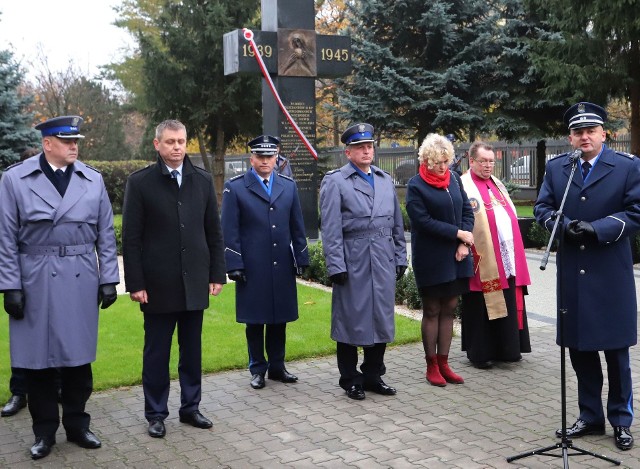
(422, 66)
(183, 75)
(16, 132)
(591, 51)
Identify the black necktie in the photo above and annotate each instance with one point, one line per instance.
(586, 166)
(266, 182)
(174, 175)
(59, 182)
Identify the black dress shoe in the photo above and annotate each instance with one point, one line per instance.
(13, 405)
(196, 419)
(283, 376)
(623, 438)
(257, 381)
(582, 428)
(156, 428)
(356, 392)
(380, 388)
(84, 438)
(42, 447)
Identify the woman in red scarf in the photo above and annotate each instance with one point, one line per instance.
(441, 237)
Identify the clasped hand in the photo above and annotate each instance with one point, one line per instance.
(579, 231)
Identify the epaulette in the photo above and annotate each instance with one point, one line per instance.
(333, 171)
(89, 166)
(236, 177)
(628, 155)
(13, 165)
(286, 177)
(561, 155)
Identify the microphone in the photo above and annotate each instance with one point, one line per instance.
(575, 156)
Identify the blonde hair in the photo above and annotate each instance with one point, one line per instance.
(433, 148)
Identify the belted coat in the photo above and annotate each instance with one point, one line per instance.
(60, 325)
(171, 238)
(264, 236)
(596, 276)
(363, 235)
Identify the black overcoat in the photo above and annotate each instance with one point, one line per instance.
(171, 238)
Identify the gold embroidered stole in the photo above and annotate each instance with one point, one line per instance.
(489, 275)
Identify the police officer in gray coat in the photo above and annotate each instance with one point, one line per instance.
(58, 263)
(602, 212)
(364, 248)
(265, 247)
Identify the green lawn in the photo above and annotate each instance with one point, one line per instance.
(119, 360)
(524, 211)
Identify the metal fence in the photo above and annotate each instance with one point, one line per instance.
(515, 162)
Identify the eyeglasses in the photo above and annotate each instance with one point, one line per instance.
(485, 162)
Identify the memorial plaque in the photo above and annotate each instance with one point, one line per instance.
(294, 55)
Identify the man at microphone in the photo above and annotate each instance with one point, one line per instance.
(602, 213)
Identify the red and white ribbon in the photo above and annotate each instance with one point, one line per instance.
(248, 35)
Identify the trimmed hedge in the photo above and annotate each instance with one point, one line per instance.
(115, 174)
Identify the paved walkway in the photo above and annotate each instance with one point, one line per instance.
(497, 413)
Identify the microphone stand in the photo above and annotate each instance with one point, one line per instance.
(565, 443)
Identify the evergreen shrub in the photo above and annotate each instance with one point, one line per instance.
(115, 174)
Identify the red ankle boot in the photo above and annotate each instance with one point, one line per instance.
(433, 372)
(446, 372)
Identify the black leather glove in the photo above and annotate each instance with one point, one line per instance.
(579, 231)
(14, 303)
(237, 276)
(339, 279)
(400, 270)
(107, 295)
(300, 270)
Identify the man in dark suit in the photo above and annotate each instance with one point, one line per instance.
(602, 212)
(173, 261)
(265, 248)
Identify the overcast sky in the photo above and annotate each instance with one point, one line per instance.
(71, 30)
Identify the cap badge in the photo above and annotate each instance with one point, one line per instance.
(74, 121)
(265, 138)
(361, 128)
(581, 107)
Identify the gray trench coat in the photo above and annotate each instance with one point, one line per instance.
(60, 325)
(363, 235)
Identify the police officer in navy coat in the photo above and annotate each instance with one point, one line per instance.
(265, 248)
(602, 212)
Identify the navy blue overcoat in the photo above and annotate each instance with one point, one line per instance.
(597, 277)
(265, 237)
(436, 216)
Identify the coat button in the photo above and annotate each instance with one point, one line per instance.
(582, 247)
(184, 273)
(53, 274)
(275, 244)
(581, 271)
(583, 198)
(273, 226)
(271, 208)
(181, 225)
(275, 263)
